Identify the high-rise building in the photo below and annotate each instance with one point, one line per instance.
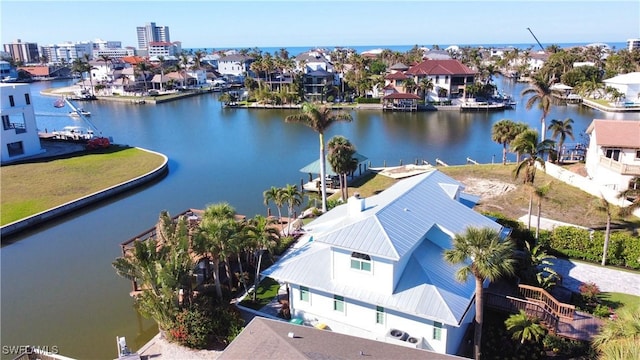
(633, 44)
(151, 33)
(23, 51)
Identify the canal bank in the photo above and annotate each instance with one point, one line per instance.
(56, 150)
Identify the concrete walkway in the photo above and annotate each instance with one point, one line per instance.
(608, 279)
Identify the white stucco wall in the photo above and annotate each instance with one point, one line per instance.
(22, 113)
(359, 319)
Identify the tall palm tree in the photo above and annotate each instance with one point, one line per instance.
(561, 129)
(341, 153)
(264, 236)
(503, 132)
(484, 256)
(425, 85)
(107, 60)
(293, 197)
(604, 206)
(161, 60)
(274, 194)
(525, 328)
(319, 119)
(527, 143)
(541, 193)
(540, 93)
(144, 68)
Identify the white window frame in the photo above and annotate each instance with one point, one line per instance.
(437, 331)
(338, 302)
(305, 291)
(362, 260)
(380, 315)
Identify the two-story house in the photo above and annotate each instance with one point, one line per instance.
(374, 267)
(318, 72)
(449, 78)
(19, 130)
(613, 155)
(235, 64)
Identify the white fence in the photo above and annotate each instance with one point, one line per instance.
(586, 185)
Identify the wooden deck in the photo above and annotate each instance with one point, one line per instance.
(560, 319)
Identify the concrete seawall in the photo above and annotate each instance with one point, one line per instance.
(44, 216)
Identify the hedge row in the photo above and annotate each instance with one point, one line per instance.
(362, 100)
(624, 248)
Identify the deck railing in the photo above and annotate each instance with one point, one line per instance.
(619, 167)
(531, 308)
(541, 296)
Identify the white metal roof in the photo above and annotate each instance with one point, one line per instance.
(396, 220)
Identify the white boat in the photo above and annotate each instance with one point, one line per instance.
(73, 133)
(76, 112)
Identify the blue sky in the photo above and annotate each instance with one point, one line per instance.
(240, 24)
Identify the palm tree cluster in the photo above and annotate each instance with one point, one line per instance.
(342, 159)
(289, 195)
(164, 266)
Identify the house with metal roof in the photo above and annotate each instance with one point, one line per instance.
(374, 267)
(613, 153)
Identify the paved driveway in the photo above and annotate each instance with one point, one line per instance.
(608, 279)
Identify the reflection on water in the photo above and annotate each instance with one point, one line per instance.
(58, 287)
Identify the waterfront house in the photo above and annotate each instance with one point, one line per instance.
(613, 155)
(627, 84)
(449, 77)
(19, 130)
(374, 267)
(318, 72)
(235, 64)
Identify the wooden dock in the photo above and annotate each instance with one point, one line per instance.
(559, 318)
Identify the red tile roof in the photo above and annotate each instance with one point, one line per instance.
(402, 96)
(133, 60)
(396, 76)
(440, 67)
(618, 133)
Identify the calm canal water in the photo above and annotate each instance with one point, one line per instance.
(58, 286)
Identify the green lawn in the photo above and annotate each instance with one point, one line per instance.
(266, 291)
(619, 301)
(30, 188)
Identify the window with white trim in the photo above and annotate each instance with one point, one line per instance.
(360, 261)
(379, 315)
(304, 293)
(437, 330)
(338, 303)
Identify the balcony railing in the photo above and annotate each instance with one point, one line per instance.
(617, 166)
(541, 296)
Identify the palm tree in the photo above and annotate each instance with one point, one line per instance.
(319, 119)
(525, 328)
(264, 236)
(484, 256)
(425, 85)
(503, 132)
(341, 153)
(537, 268)
(161, 267)
(540, 193)
(633, 192)
(274, 194)
(602, 205)
(540, 93)
(213, 234)
(293, 197)
(619, 338)
(561, 129)
(161, 60)
(107, 60)
(527, 143)
(143, 67)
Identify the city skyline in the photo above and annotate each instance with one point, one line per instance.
(247, 24)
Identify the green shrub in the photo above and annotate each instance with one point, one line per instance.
(192, 327)
(601, 311)
(362, 100)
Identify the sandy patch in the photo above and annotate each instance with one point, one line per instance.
(487, 188)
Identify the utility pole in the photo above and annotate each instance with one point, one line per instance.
(541, 47)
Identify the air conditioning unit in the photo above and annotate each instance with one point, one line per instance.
(415, 341)
(398, 334)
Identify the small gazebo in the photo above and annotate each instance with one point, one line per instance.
(400, 101)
